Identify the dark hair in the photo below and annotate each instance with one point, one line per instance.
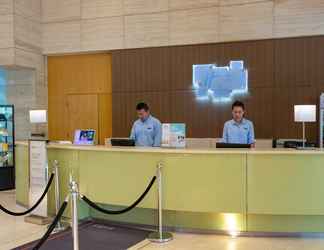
(238, 104)
(142, 105)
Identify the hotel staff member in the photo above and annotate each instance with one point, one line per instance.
(239, 130)
(147, 130)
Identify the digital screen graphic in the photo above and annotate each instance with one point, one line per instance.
(84, 137)
(220, 84)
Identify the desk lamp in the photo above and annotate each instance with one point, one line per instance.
(38, 117)
(305, 113)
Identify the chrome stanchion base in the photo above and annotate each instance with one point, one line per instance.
(61, 226)
(157, 238)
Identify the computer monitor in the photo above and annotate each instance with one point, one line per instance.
(84, 137)
(232, 145)
(122, 142)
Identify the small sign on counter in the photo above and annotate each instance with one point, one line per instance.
(174, 135)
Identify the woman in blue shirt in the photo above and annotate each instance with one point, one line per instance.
(239, 130)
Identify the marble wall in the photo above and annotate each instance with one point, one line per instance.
(18, 87)
(95, 25)
(21, 60)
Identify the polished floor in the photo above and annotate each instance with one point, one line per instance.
(15, 232)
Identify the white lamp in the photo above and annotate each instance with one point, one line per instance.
(305, 113)
(38, 117)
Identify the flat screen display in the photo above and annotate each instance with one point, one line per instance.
(84, 137)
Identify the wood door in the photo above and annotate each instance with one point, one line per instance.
(83, 113)
(105, 117)
(74, 82)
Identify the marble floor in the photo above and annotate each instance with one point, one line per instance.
(14, 232)
(213, 242)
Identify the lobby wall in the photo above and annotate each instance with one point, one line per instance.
(21, 59)
(32, 29)
(282, 73)
(155, 43)
(92, 25)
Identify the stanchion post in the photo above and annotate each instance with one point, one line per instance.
(75, 222)
(59, 226)
(160, 236)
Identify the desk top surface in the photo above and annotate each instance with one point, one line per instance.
(177, 151)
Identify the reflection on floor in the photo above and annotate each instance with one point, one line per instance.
(213, 242)
(15, 232)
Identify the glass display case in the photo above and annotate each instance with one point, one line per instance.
(7, 147)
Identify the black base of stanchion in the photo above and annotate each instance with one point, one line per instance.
(156, 237)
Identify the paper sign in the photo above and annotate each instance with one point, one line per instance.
(174, 135)
(38, 171)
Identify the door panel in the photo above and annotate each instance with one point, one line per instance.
(78, 85)
(83, 113)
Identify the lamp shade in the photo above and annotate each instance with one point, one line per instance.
(305, 113)
(37, 116)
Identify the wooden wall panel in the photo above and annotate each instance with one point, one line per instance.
(283, 117)
(143, 72)
(105, 117)
(79, 95)
(282, 73)
(124, 108)
(299, 62)
(180, 70)
(58, 118)
(83, 112)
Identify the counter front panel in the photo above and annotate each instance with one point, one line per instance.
(232, 190)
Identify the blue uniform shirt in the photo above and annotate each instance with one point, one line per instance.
(242, 132)
(147, 133)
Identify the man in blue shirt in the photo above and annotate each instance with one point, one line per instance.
(239, 130)
(147, 130)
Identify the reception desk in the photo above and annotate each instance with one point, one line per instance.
(251, 190)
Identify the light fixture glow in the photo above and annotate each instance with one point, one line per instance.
(305, 113)
(232, 225)
(38, 116)
(220, 84)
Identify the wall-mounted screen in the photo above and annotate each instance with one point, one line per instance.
(220, 83)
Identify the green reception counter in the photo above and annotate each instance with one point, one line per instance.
(218, 190)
